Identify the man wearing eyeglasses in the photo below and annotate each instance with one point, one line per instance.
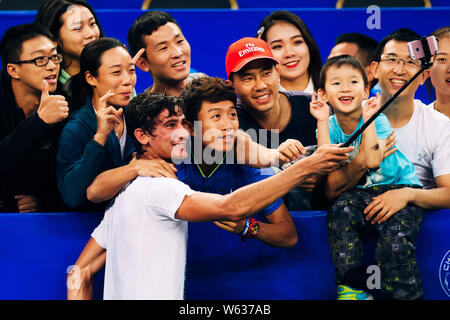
(422, 133)
(30, 120)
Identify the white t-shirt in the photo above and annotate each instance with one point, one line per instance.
(309, 88)
(432, 106)
(146, 254)
(425, 140)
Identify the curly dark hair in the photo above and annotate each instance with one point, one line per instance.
(143, 110)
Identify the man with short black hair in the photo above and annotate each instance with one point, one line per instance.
(359, 45)
(30, 120)
(167, 54)
(423, 134)
(268, 115)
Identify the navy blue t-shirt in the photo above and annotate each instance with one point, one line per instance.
(225, 179)
(302, 125)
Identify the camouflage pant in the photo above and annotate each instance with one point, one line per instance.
(395, 251)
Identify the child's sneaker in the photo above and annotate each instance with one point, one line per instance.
(347, 293)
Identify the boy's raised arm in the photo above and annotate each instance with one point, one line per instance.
(320, 110)
(373, 148)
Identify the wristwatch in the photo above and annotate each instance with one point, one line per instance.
(251, 229)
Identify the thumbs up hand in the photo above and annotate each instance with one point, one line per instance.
(52, 108)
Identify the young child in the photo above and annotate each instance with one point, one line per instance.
(344, 86)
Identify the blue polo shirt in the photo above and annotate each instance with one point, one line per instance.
(225, 179)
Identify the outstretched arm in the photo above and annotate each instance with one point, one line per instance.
(248, 200)
(253, 154)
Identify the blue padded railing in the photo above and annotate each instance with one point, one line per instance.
(37, 248)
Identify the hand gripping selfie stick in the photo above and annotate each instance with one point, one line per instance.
(425, 53)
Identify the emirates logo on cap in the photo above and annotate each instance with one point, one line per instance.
(244, 51)
(250, 47)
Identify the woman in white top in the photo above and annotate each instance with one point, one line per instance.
(440, 72)
(294, 47)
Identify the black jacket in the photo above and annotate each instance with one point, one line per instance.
(27, 154)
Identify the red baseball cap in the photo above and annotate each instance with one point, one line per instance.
(244, 51)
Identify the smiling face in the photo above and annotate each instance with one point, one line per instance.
(78, 29)
(440, 71)
(393, 76)
(169, 137)
(168, 54)
(256, 84)
(289, 48)
(345, 89)
(219, 125)
(116, 73)
(30, 75)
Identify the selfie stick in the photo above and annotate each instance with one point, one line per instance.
(426, 64)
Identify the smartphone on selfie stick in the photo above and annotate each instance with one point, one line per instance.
(422, 50)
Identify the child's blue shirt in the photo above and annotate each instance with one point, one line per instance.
(395, 169)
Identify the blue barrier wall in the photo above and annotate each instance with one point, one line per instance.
(210, 32)
(36, 250)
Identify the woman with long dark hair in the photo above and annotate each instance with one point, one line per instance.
(294, 47)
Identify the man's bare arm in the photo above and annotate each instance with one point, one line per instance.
(437, 198)
(387, 204)
(346, 177)
(255, 155)
(248, 200)
(91, 260)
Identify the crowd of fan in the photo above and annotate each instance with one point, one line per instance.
(74, 133)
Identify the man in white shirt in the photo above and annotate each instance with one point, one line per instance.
(145, 229)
